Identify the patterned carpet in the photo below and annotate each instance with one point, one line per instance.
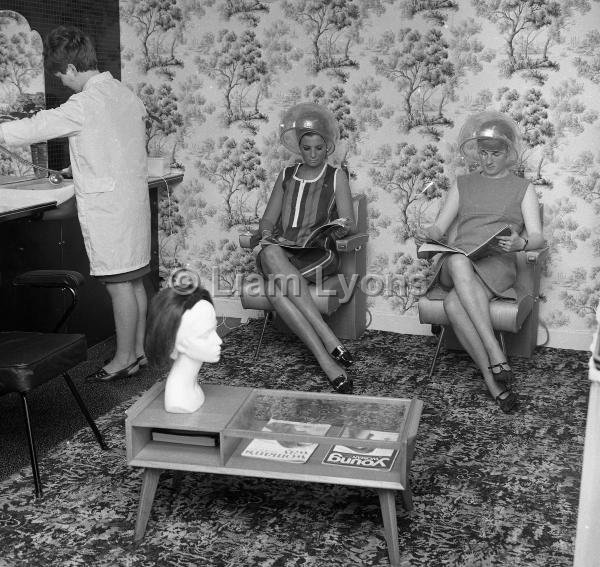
(489, 489)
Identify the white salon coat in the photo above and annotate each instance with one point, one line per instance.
(105, 124)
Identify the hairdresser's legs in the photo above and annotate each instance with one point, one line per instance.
(125, 312)
(298, 323)
(275, 264)
(467, 334)
(475, 298)
(141, 299)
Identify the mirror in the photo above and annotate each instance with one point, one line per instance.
(22, 91)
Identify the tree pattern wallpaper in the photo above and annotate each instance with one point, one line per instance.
(21, 87)
(401, 76)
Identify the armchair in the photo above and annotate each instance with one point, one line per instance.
(340, 298)
(516, 322)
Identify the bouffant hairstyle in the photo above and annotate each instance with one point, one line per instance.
(164, 317)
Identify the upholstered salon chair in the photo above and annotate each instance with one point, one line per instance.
(30, 359)
(344, 312)
(516, 322)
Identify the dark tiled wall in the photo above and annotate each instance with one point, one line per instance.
(98, 18)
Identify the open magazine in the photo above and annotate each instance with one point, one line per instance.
(313, 239)
(373, 458)
(487, 247)
(289, 451)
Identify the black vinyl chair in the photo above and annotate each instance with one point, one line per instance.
(30, 359)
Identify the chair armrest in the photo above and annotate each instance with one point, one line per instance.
(249, 239)
(352, 242)
(50, 278)
(535, 256)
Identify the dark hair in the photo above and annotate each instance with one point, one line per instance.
(164, 317)
(66, 45)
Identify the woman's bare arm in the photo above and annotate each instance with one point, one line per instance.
(343, 200)
(443, 221)
(530, 208)
(273, 208)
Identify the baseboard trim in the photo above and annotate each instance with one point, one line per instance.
(570, 339)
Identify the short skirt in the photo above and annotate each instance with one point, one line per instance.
(308, 261)
(498, 273)
(124, 277)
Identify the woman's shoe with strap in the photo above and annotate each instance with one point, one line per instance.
(505, 375)
(509, 402)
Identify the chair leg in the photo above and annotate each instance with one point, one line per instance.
(32, 452)
(266, 320)
(437, 351)
(85, 411)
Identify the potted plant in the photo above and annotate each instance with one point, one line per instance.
(158, 162)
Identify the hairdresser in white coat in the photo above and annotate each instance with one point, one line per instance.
(105, 124)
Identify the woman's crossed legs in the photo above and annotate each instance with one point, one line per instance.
(467, 305)
(289, 294)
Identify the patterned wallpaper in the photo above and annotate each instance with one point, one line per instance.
(401, 76)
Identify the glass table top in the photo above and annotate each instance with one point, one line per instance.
(302, 414)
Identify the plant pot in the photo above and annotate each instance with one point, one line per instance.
(158, 166)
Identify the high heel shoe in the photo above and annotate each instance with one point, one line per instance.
(341, 384)
(509, 402)
(343, 355)
(505, 376)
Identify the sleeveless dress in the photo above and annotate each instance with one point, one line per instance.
(307, 204)
(485, 205)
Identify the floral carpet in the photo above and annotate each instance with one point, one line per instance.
(489, 489)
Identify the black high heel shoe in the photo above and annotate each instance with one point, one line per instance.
(504, 376)
(341, 384)
(509, 402)
(343, 355)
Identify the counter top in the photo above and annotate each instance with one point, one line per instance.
(27, 196)
(174, 176)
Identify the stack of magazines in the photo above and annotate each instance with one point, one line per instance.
(351, 455)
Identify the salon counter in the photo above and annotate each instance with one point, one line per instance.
(48, 236)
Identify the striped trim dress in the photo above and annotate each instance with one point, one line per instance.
(307, 204)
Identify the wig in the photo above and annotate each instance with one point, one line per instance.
(164, 317)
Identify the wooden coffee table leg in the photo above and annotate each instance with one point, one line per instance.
(387, 501)
(407, 498)
(149, 484)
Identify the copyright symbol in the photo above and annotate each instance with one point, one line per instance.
(184, 281)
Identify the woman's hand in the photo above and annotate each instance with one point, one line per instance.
(427, 233)
(345, 225)
(512, 243)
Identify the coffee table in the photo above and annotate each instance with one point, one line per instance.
(233, 417)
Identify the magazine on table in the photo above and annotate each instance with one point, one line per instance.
(363, 457)
(488, 246)
(313, 239)
(288, 451)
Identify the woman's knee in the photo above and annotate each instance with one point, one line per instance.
(460, 268)
(271, 257)
(451, 303)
